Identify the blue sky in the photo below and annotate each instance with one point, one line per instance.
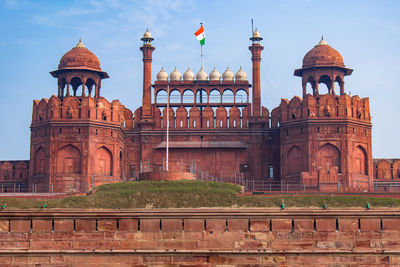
(35, 35)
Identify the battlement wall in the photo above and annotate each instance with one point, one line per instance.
(82, 108)
(201, 237)
(324, 106)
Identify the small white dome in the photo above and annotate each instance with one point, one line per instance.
(175, 75)
(227, 75)
(162, 75)
(214, 75)
(188, 75)
(147, 34)
(201, 75)
(256, 34)
(240, 75)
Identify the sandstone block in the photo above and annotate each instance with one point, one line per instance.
(150, 225)
(171, 225)
(194, 225)
(238, 225)
(373, 225)
(85, 225)
(63, 225)
(348, 225)
(4, 225)
(281, 225)
(42, 226)
(326, 225)
(303, 225)
(128, 224)
(259, 225)
(391, 224)
(22, 226)
(216, 225)
(107, 225)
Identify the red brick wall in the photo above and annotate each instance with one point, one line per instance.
(200, 237)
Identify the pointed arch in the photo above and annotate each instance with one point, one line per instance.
(294, 160)
(360, 161)
(188, 96)
(328, 156)
(39, 162)
(69, 160)
(228, 96)
(103, 161)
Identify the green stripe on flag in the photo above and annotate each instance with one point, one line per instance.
(202, 41)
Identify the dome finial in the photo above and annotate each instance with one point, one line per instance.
(322, 42)
(80, 44)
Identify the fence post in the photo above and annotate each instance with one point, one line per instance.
(246, 186)
(253, 185)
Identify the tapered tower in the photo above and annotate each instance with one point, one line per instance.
(147, 50)
(256, 49)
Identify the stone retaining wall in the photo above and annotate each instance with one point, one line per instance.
(200, 237)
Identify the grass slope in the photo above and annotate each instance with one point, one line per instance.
(187, 194)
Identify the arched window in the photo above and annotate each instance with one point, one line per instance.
(241, 96)
(162, 96)
(324, 84)
(90, 84)
(188, 96)
(215, 96)
(228, 96)
(76, 85)
(201, 96)
(175, 96)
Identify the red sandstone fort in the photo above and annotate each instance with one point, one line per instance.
(218, 128)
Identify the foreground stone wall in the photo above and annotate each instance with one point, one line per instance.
(200, 237)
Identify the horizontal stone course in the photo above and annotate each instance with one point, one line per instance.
(269, 241)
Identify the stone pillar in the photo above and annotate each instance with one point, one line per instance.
(147, 50)
(342, 88)
(256, 49)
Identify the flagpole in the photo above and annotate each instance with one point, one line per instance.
(167, 145)
(201, 51)
(201, 56)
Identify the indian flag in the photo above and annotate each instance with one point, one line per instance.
(200, 35)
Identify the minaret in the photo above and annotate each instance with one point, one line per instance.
(147, 50)
(256, 49)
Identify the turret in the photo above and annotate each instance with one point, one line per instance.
(256, 49)
(147, 50)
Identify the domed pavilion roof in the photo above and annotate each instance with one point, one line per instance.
(79, 57)
(323, 55)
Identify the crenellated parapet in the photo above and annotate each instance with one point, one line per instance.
(324, 107)
(387, 169)
(204, 117)
(75, 109)
(14, 172)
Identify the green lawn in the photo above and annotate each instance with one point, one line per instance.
(186, 194)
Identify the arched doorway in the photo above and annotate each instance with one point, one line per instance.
(360, 164)
(69, 160)
(294, 161)
(328, 156)
(39, 166)
(103, 161)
